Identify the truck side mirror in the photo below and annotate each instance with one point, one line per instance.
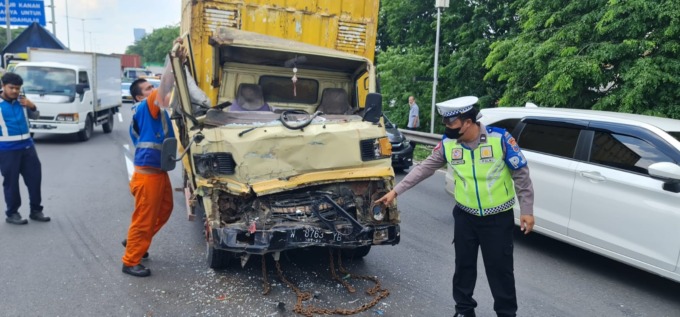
(373, 107)
(168, 151)
(80, 88)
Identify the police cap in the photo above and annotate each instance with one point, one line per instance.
(451, 109)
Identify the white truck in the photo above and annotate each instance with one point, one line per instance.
(74, 91)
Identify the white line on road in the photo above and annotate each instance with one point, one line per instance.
(127, 147)
(120, 117)
(130, 167)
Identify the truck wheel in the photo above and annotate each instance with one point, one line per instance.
(356, 253)
(108, 125)
(217, 259)
(86, 133)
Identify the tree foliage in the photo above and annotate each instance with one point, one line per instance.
(407, 32)
(611, 55)
(155, 46)
(600, 54)
(3, 35)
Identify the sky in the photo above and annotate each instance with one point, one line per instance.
(109, 24)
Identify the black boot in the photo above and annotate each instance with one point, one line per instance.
(146, 254)
(137, 270)
(15, 219)
(38, 216)
(468, 314)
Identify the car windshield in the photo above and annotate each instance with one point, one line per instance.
(675, 134)
(47, 80)
(125, 86)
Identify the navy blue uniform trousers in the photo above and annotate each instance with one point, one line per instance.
(494, 235)
(22, 162)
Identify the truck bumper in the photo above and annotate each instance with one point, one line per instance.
(55, 127)
(295, 237)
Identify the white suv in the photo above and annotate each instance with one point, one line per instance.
(603, 181)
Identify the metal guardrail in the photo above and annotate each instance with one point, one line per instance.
(422, 137)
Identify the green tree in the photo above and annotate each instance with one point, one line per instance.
(600, 54)
(467, 31)
(3, 35)
(155, 46)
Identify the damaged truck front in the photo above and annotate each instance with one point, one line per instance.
(284, 157)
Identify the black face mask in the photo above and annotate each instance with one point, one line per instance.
(453, 134)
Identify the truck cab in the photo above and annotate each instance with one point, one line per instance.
(74, 95)
(286, 158)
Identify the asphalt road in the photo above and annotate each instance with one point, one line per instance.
(71, 266)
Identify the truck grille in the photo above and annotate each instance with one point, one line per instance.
(367, 149)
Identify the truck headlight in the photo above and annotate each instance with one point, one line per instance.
(213, 164)
(68, 117)
(374, 149)
(378, 211)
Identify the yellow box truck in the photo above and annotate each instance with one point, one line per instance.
(285, 153)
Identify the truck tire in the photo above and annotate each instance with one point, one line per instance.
(217, 259)
(86, 133)
(356, 253)
(108, 125)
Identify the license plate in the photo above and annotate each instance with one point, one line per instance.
(316, 235)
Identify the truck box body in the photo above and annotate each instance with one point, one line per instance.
(52, 79)
(345, 25)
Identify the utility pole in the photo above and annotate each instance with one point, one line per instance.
(54, 23)
(9, 32)
(439, 4)
(68, 33)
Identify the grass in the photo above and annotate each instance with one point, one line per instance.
(422, 152)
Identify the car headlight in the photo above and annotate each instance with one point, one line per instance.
(374, 149)
(68, 117)
(213, 164)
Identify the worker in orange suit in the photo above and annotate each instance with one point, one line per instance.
(149, 185)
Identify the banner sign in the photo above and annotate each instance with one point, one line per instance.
(23, 12)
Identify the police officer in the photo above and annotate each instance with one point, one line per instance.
(489, 171)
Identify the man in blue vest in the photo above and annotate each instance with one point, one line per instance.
(489, 170)
(17, 152)
(150, 185)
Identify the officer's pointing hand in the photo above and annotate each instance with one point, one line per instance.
(526, 223)
(387, 199)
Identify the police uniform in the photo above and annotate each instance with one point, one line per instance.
(489, 172)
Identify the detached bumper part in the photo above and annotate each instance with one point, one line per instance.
(286, 238)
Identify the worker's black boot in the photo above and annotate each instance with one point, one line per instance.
(15, 219)
(38, 216)
(137, 270)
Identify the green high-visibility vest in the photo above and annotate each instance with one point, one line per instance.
(483, 181)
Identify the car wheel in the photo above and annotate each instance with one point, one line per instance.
(108, 126)
(217, 259)
(356, 253)
(86, 133)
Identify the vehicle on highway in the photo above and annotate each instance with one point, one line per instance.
(125, 92)
(76, 93)
(604, 181)
(402, 150)
(125, 88)
(292, 153)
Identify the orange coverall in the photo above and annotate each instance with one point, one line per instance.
(153, 203)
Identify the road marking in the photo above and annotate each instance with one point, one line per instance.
(120, 117)
(127, 147)
(130, 167)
